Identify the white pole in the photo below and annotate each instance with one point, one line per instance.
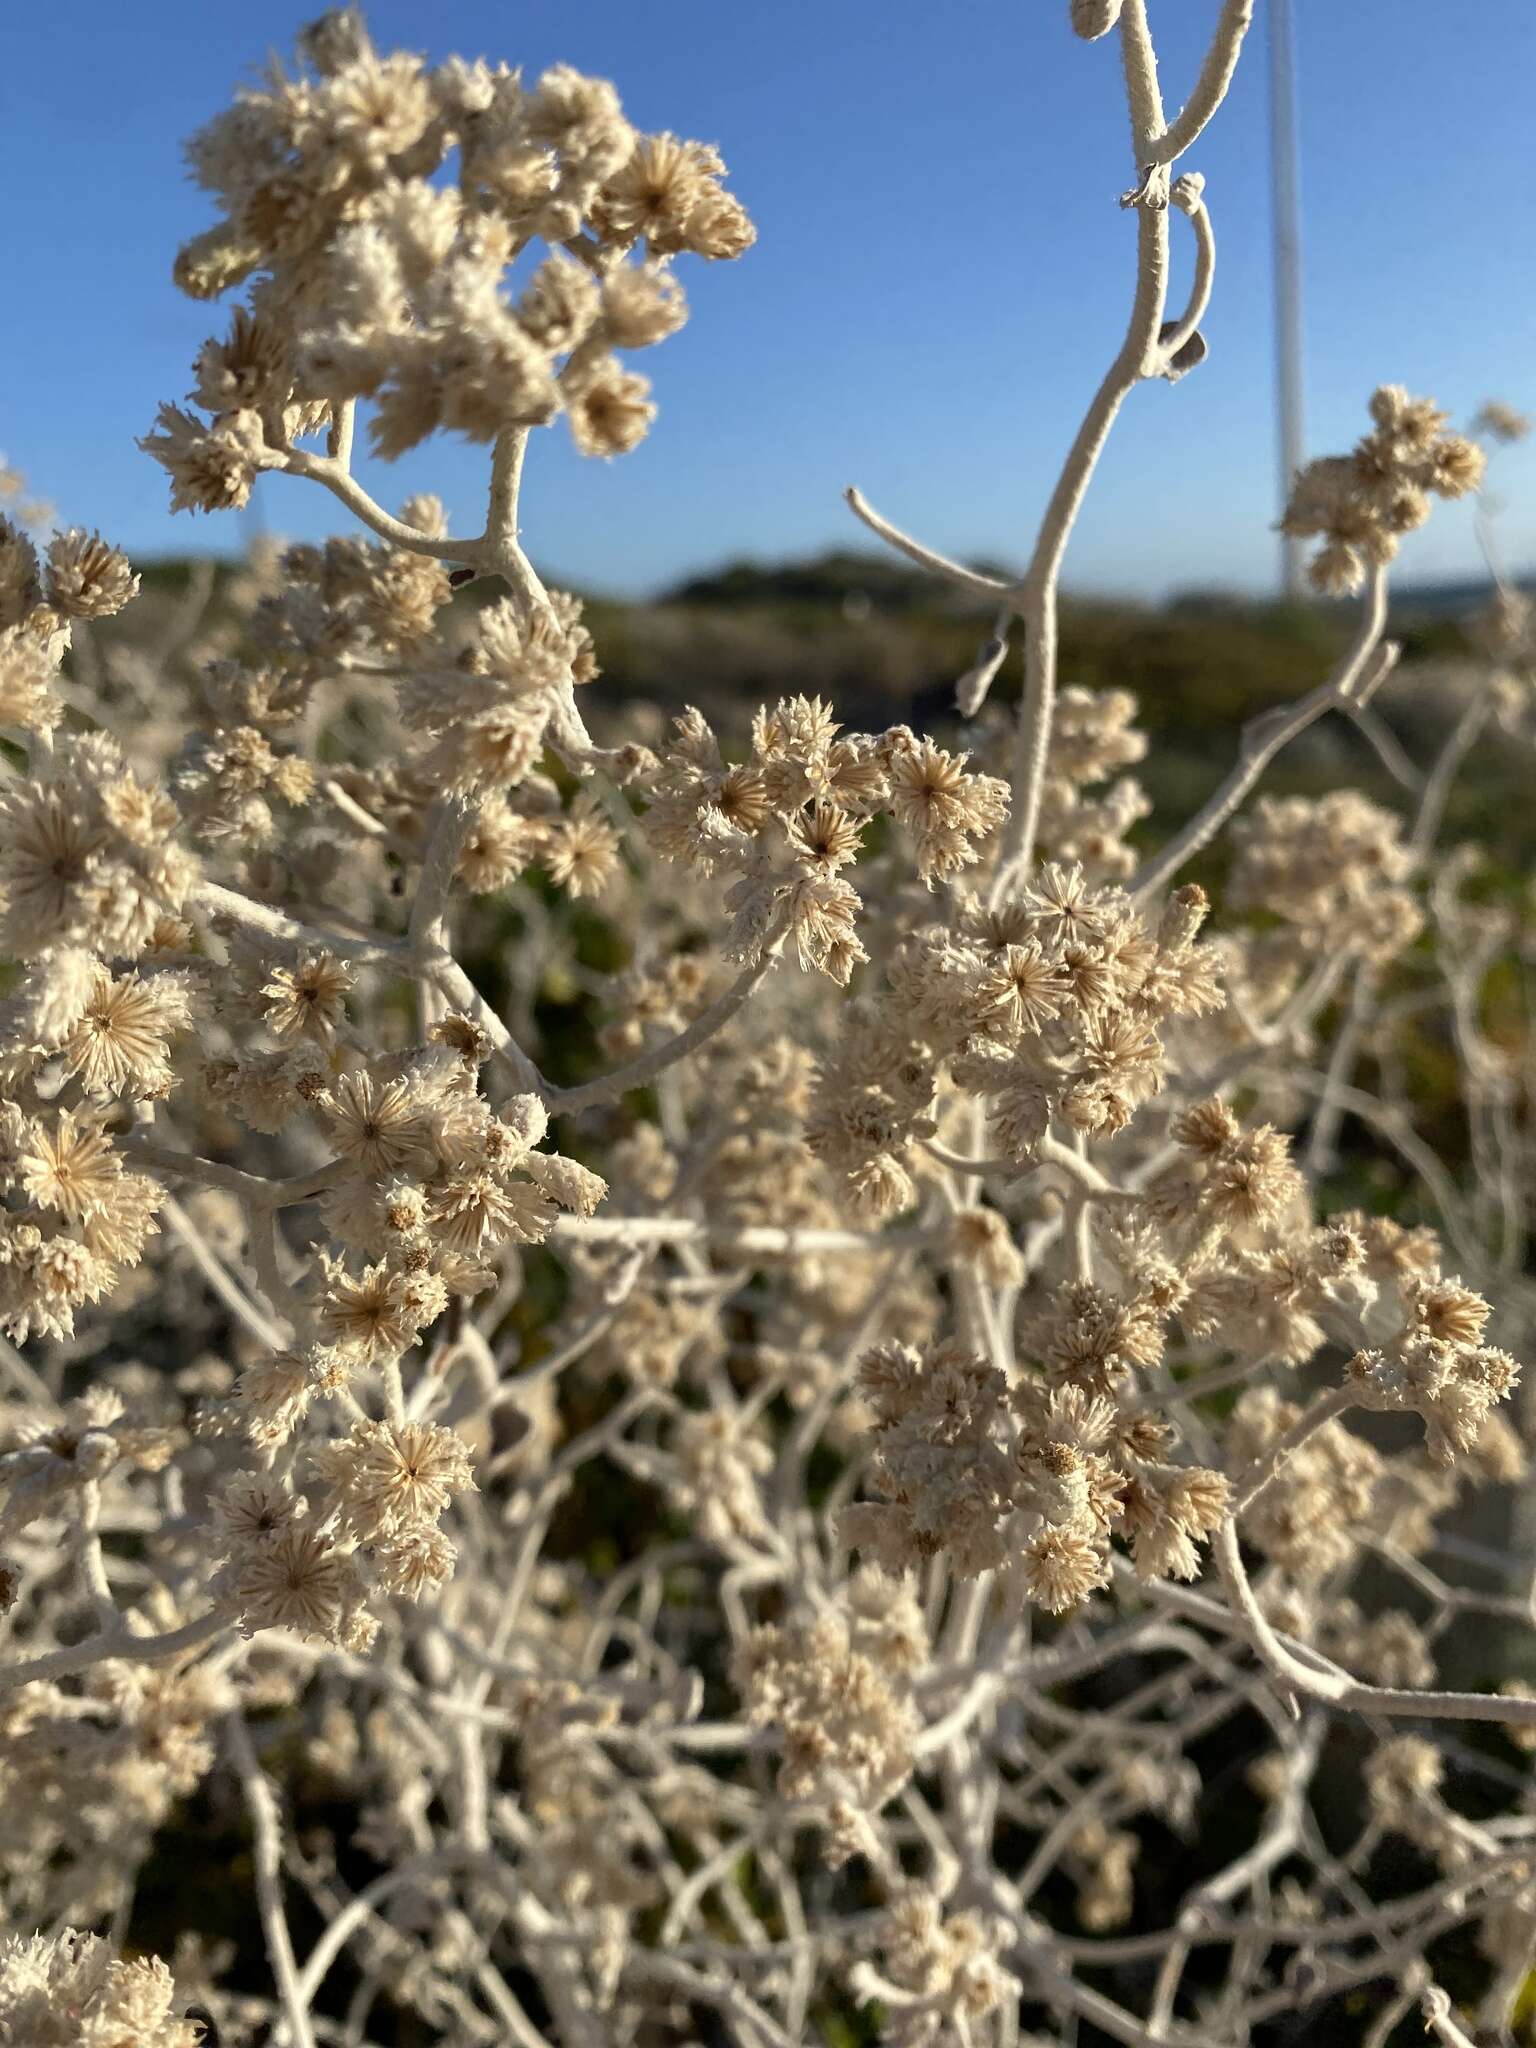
(1287, 246)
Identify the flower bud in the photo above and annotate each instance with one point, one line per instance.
(1094, 18)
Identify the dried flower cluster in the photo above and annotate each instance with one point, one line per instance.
(371, 277)
(738, 1380)
(70, 1988)
(1360, 505)
(789, 819)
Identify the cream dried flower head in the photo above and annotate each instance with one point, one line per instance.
(376, 283)
(89, 855)
(70, 1986)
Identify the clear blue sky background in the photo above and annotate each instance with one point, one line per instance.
(941, 275)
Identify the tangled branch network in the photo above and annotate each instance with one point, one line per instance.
(878, 1502)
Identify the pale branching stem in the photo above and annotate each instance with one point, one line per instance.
(591, 1330)
(263, 1236)
(354, 813)
(1390, 1963)
(963, 1627)
(1386, 746)
(1301, 1011)
(1073, 1160)
(427, 935)
(972, 689)
(1358, 676)
(93, 1569)
(340, 482)
(1386, 2021)
(1043, 1235)
(977, 1697)
(764, 1240)
(250, 1187)
(1210, 87)
(343, 430)
(460, 990)
(915, 551)
(267, 1863)
(1175, 333)
(602, 1435)
(1391, 1122)
(1046, 1853)
(1318, 1678)
(474, 1798)
(1144, 352)
(219, 1278)
(260, 1201)
(647, 1065)
(1144, 99)
(976, 1168)
(1387, 1919)
(1437, 784)
(1082, 1238)
(1215, 1381)
(506, 484)
(496, 551)
(394, 1389)
(1035, 596)
(354, 1914)
(1436, 2007)
(116, 1646)
(217, 901)
(1092, 2005)
(1280, 1836)
(1255, 1482)
(689, 1894)
(1322, 1139)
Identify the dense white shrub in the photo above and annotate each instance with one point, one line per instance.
(790, 1563)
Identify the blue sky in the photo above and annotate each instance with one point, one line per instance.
(941, 275)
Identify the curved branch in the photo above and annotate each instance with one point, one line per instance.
(117, 1648)
(252, 1188)
(1176, 333)
(218, 901)
(1210, 87)
(647, 1065)
(914, 550)
(222, 1282)
(1035, 595)
(971, 690)
(1437, 784)
(1319, 1678)
(765, 1240)
(1354, 681)
(267, 1861)
(1256, 1481)
(340, 482)
(461, 991)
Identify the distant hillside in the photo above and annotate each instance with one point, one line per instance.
(884, 642)
(842, 576)
(887, 584)
(883, 638)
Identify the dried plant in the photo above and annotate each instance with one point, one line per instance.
(791, 1570)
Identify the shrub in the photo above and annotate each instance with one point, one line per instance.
(747, 1528)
